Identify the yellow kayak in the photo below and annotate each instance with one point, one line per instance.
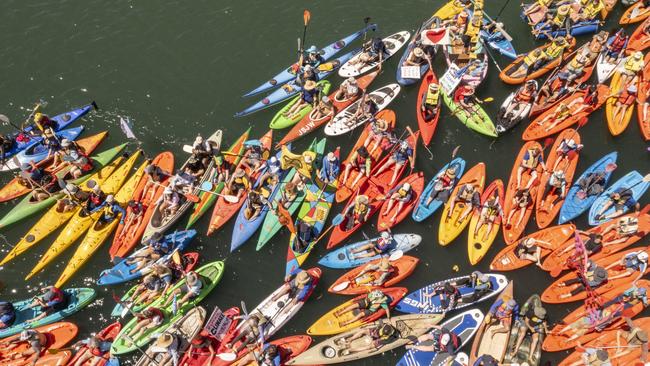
(450, 225)
(98, 231)
(618, 125)
(79, 222)
(449, 10)
(479, 244)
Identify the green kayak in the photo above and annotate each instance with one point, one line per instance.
(271, 225)
(479, 121)
(28, 206)
(280, 121)
(210, 273)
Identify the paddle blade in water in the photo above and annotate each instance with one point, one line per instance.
(306, 16)
(341, 286)
(396, 255)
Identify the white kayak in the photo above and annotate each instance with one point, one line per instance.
(393, 43)
(605, 70)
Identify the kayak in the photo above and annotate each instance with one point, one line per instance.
(160, 223)
(99, 230)
(288, 348)
(308, 124)
(604, 69)
(488, 342)
(384, 221)
(29, 206)
(343, 258)
(542, 127)
(632, 181)
(197, 356)
(524, 353)
(504, 123)
(575, 29)
(478, 121)
(451, 222)
(634, 14)
(107, 334)
(54, 218)
(643, 111)
(616, 126)
(497, 41)
(345, 188)
(123, 271)
(557, 261)
(15, 189)
(449, 10)
(128, 235)
(37, 152)
(280, 120)
(427, 126)
(547, 207)
(417, 303)
(552, 293)
(80, 220)
(330, 323)
(183, 330)
(463, 325)
(57, 335)
(393, 43)
(513, 232)
(508, 260)
(506, 74)
(573, 205)
(422, 210)
(638, 40)
(49, 359)
(326, 53)
(77, 299)
(479, 242)
(456, 56)
(416, 40)
(343, 121)
(361, 284)
(329, 351)
(224, 210)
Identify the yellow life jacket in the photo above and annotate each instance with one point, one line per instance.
(360, 209)
(531, 58)
(531, 162)
(633, 65)
(402, 192)
(432, 99)
(554, 50)
(593, 9)
(242, 181)
(559, 19)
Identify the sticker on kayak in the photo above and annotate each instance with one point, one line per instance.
(265, 101)
(273, 81)
(337, 46)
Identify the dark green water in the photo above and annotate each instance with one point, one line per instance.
(178, 68)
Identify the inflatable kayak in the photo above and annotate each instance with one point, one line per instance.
(422, 210)
(427, 125)
(524, 353)
(634, 14)
(393, 43)
(385, 220)
(343, 258)
(639, 39)
(478, 121)
(506, 74)
(479, 242)
(107, 334)
(505, 123)
(488, 342)
(358, 283)
(544, 29)
(198, 356)
(281, 120)
(37, 152)
(643, 111)
(632, 183)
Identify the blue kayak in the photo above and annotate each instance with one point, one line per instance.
(423, 211)
(498, 42)
(292, 87)
(121, 272)
(632, 181)
(577, 29)
(463, 325)
(574, 206)
(416, 40)
(342, 258)
(77, 298)
(326, 53)
(39, 152)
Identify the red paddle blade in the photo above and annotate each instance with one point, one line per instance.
(583, 121)
(548, 142)
(306, 16)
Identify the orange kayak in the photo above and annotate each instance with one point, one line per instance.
(639, 41)
(427, 128)
(556, 341)
(643, 112)
(57, 336)
(507, 259)
(478, 244)
(346, 188)
(14, 189)
(552, 293)
(107, 334)
(416, 180)
(402, 268)
(506, 74)
(634, 14)
(288, 347)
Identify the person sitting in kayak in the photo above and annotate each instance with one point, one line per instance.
(365, 307)
(592, 184)
(34, 178)
(630, 297)
(304, 168)
(440, 340)
(156, 247)
(379, 130)
(457, 24)
(305, 235)
(402, 154)
(468, 197)
(202, 150)
(448, 295)
(620, 200)
(169, 202)
(330, 169)
(155, 177)
(521, 202)
(530, 249)
(349, 89)
(44, 122)
(238, 184)
(253, 157)
(381, 246)
(74, 198)
(589, 10)
(7, 314)
(51, 301)
(595, 320)
(194, 168)
(595, 276)
(522, 99)
(554, 22)
(147, 319)
(501, 316)
(271, 168)
(373, 51)
(597, 44)
(417, 57)
(203, 344)
(151, 288)
(324, 108)
(167, 345)
(135, 213)
(554, 50)
(616, 48)
(528, 64)
(248, 332)
(529, 164)
(565, 151)
(297, 287)
(623, 229)
(288, 194)
(430, 103)
(311, 57)
(631, 68)
(78, 161)
(625, 99)
(37, 342)
(380, 335)
(257, 200)
(191, 289)
(534, 323)
(365, 112)
(357, 213)
(576, 68)
(111, 211)
(360, 161)
(628, 265)
(401, 194)
(479, 283)
(375, 274)
(443, 184)
(464, 97)
(94, 351)
(309, 95)
(556, 185)
(308, 73)
(634, 336)
(490, 211)
(270, 356)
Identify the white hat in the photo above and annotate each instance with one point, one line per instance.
(445, 339)
(65, 142)
(385, 235)
(110, 198)
(331, 156)
(643, 256)
(406, 186)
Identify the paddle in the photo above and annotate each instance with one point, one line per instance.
(207, 188)
(491, 56)
(189, 196)
(337, 220)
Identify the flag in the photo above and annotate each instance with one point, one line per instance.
(432, 37)
(125, 125)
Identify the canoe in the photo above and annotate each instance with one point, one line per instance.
(14, 189)
(575, 29)
(416, 180)
(184, 330)
(557, 341)
(280, 121)
(160, 224)
(345, 188)
(451, 224)
(417, 303)
(488, 343)
(604, 69)
(556, 236)
(537, 130)
(497, 41)
(484, 126)
(330, 323)
(634, 14)
(288, 348)
(328, 351)
(98, 231)
(422, 210)
(393, 43)
(416, 39)
(107, 334)
(79, 220)
(618, 125)
(643, 112)
(78, 298)
(638, 40)
(427, 128)
(573, 206)
(545, 210)
(478, 244)
(552, 293)
(327, 52)
(122, 271)
(224, 210)
(402, 268)
(343, 122)
(505, 75)
(504, 124)
(342, 258)
(463, 325)
(513, 232)
(37, 152)
(631, 181)
(57, 335)
(28, 206)
(524, 350)
(308, 124)
(198, 357)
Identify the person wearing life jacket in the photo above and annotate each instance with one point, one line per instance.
(444, 341)
(489, 212)
(309, 72)
(430, 103)
(51, 301)
(528, 64)
(169, 202)
(359, 212)
(530, 249)
(480, 284)
(400, 156)
(192, 288)
(557, 185)
(94, 350)
(623, 229)
(628, 265)
(534, 323)
(366, 111)
(271, 168)
(304, 169)
(576, 67)
(378, 335)
(625, 99)
(330, 169)
(155, 176)
(150, 289)
(401, 194)
(555, 49)
(310, 57)
(239, 183)
(361, 161)
(630, 297)
(631, 67)
(589, 10)
(464, 98)
(33, 177)
(375, 274)
(468, 197)
(203, 344)
(37, 342)
(305, 235)
(44, 122)
(249, 332)
(522, 99)
(166, 350)
(7, 314)
(202, 150)
(443, 184)
(595, 276)
(297, 286)
(565, 150)
(621, 200)
(373, 302)
(78, 161)
(147, 319)
(323, 108)
(530, 164)
(593, 184)
(374, 51)
(156, 246)
(597, 44)
(256, 201)
(417, 57)
(521, 201)
(253, 157)
(383, 245)
(635, 337)
(615, 49)
(379, 130)
(288, 194)
(501, 315)
(556, 21)
(349, 89)
(448, 295)
(111, 210)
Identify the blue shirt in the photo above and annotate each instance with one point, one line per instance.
(330, 171)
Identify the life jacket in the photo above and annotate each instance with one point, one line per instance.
(531, 57)
(465, 193)
(554, 50)
(558, 19)
(618, 43)
(492, 206)
(524, 95)
(593, 8)
(531, 162)
(403, 193)
(375, 303)
(453, 338)
(360, 209)
(96, 199)
(243, 181)
(632, 65)
(432, 98)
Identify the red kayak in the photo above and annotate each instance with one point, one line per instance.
(199, 356)
(402, 268)
(107, 334)
(289, 348)
(427, 128)
(416, 180)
